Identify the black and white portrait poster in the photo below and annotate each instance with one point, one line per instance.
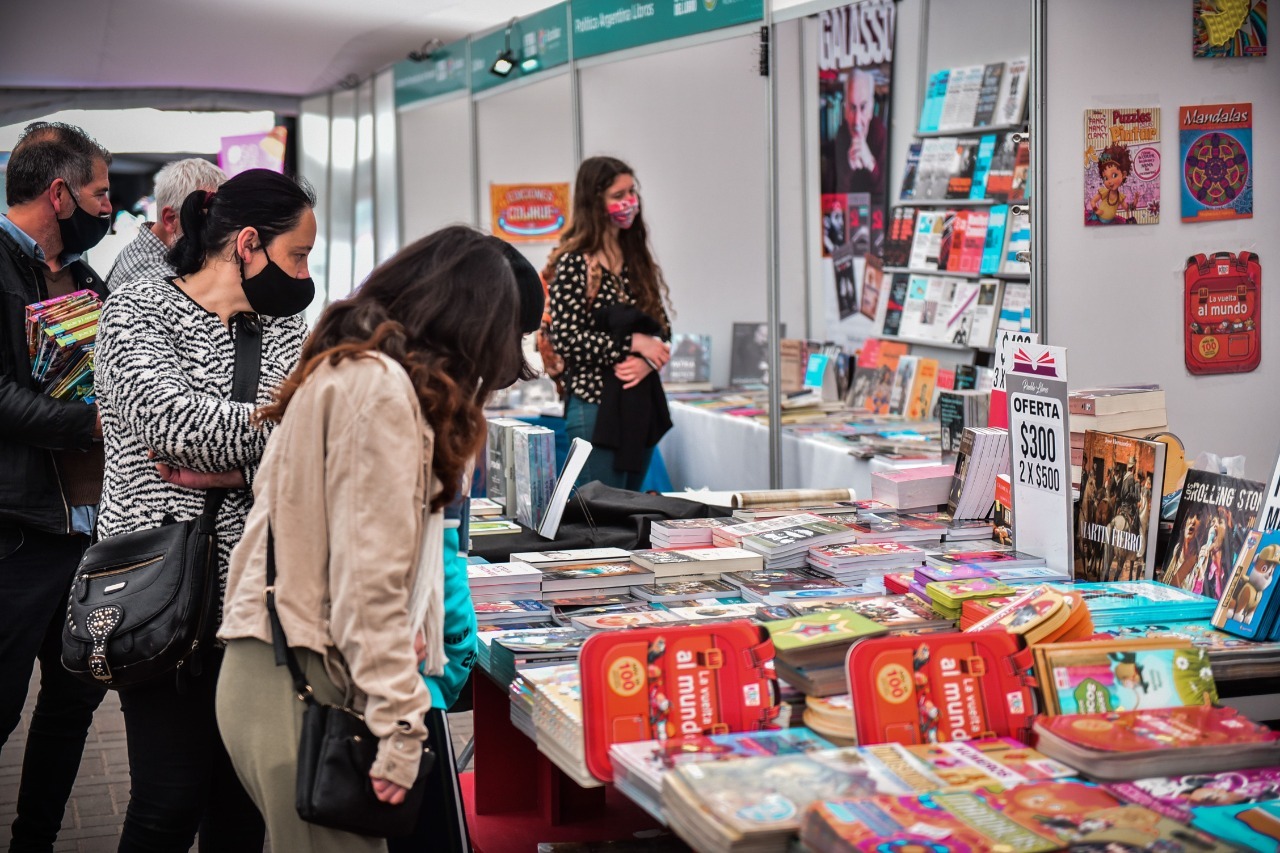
(855, 75)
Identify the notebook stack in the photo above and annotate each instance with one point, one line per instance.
(697, 562)
(61, 334)
(810, 650)
(504, 582)
(863, 565)
(685, 532)
(983, 455)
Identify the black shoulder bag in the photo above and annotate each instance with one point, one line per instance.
(336, 751)
(144, 603)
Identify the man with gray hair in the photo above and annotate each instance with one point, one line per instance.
(58, 191)
(144, 257)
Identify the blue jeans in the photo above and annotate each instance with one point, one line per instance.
(580, 422)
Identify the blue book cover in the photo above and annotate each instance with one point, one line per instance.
(1140, 602)
(982, 165)
(1248, 606)
(935, 94)
(1252, 826)
(997, 217)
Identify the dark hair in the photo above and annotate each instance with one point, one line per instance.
(47, 150)
(446, 308)
(589, 223)
(1115, 155)
(257, 198)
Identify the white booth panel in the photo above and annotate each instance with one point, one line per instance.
(525, 135)
(386, 182)
(342, 191)
(313, 166)
(435, 166)
(1115, 295)
(691, 122)
(364, 255)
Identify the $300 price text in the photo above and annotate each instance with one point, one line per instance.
(1038, 452)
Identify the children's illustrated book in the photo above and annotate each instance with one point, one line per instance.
(660, 682)
(1249, 602)
(1252, 827)
(1215, 514)
(820, 638)
(937, 687)
(1183, 798)
(1122, 166)
(1229, 29)
(1215, 144)
(1140, 603)
(1123, 675)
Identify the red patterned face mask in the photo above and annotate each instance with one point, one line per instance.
(624, 213)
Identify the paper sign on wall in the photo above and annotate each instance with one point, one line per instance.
(1040, 454)
(529, 213)
(1007, 341)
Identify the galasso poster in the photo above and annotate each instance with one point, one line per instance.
(528, 213)
(855, 76)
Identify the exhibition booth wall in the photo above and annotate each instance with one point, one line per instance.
(691, 115)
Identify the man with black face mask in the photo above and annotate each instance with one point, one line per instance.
(50, 463)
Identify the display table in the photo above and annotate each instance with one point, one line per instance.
(709, 449)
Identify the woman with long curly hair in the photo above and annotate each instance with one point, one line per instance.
(609, 323)
(382, 419)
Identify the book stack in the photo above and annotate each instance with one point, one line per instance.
(484, 508)
(1038, 615)
(896, 527)
(910, 488)
(550, 559)
(732, 535)
(628, 617)
(704, 562)
(590, 579)
(958, 410)
(528, 647)
(684, 589)
(504, 582)
(535, 463)
(1133, 410)
(61, 334)
(1119, 603)
(1008, 566)
(500, 477)
(638, 767)
(685, 532)
(982, 456)
(1225, 804)
(831, 717)
(897, 614)
(858, 565)
(1125, 745)
(564, 609)
(959, 530)
(755, 586)
(948, 597)
(507, 611)
(811, 649)
(788, 547)
(557, 719)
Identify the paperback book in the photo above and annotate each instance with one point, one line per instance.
(1122, 166)
(1215, 514)
(1096, 677)
(1121, 482)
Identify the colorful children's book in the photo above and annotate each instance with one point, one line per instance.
(1039, 614)
(1216, 146)
(937, 687)
(1229, 29)
(1215, 515)
(1183, 798)
(1252, 827)
(820, 639)
(1122, 166)
(1249, 603)
(948, 597)
(1157, 742)
(1098, 676)
(663, 681)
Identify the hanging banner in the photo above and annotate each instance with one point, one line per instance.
(253, 151)
(1040, 453)
(855, 76)
(528, 213)
(602, 26)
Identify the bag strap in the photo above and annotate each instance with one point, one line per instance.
(246, 373)
(284, 654)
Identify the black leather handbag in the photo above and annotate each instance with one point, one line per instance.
(336, 751)
(144, 604)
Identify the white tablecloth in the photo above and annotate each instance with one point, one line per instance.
(711, 450)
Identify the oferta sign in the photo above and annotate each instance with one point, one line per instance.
(444, 72)
(537, 42)
(602, 26)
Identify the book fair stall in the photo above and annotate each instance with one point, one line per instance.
(967, 525)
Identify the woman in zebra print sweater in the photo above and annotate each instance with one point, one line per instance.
(165, 357)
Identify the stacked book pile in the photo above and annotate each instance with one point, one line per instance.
(732, 535)
(1120, 603)
(863, 565)
(1132, 410)
(912, 488)
(557, 719)
(831, 717)
(788, 547)
(697, 562)
(502, 653)
(670, 590)
(511, 611)
(983, 455)
(948, 597)
(61, 334)
(756, 586)
(591, 579)
(685, 532)
(1008, 566)
(504, 582)
(811, 649)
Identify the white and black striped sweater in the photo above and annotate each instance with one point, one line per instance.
(163, 369)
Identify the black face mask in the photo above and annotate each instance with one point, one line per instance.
(275, 293)
(81, 231)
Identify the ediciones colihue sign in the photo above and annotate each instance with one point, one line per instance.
(529, 213)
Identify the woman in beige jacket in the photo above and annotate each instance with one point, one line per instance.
(380, 420)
